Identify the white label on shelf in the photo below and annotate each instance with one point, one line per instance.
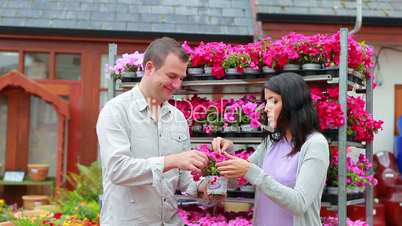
(389, 175)
(374, 212)
(34, 170)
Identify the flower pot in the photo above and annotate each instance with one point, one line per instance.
(216, 128)
(249, 70)
(195, 71)
(232, 71)
(231, 129)
(248, 128)
(217, 185)
(334, 190)
(248, 188)
(311, 66)
(38, 172)
(267, 69)
(32, 201)
(128, 74)
(236, 206)
(197, 128)
(208, 70)
(140, 74)
(291, 67)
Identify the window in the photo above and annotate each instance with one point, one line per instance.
(36, 65)
(68, 66)
(103, 81)
(3, 131)
(43, 134)
(8, 62)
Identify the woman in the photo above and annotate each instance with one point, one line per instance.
(289, 168)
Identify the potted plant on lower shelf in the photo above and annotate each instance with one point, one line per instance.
(217, 184)
(356, 173)
(251, 114)
(231, 118)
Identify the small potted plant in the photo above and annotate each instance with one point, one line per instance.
(127, 66)
(199, 113)
(197, 60)
(356, 177)
(251, 115)
(231, 118)
(235, 63)
(214, 55)
(310, 50)
(214, 122)
(217, 184)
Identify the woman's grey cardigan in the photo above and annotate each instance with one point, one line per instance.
(304, 200)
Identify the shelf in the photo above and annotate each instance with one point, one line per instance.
(182, 199)
(350, 144)
(258, 140)
(236, 140)
(348, 203)
(331, 200)
(253, 84)
(49, 181)
(352, 200)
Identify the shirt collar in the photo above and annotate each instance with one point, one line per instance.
(143, 104)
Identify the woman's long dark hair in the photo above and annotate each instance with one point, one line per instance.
(298, 113)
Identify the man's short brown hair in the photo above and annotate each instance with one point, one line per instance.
(160, 48)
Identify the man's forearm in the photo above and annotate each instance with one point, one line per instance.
(170, 162)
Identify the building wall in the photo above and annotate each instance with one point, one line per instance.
(389, 73)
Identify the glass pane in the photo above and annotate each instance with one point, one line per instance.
(3, 132)
(8, 62)
(104, 63)
(103, 80)
(102, 99)
(36, 65)
(68, 66)
(43, 134)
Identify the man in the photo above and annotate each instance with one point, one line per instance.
(145, 145)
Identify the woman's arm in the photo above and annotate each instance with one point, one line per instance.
(309, 182)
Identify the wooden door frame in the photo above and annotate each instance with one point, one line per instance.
(83, 94)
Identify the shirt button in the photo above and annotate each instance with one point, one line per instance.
(164, 199)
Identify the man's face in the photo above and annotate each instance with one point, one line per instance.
(168, 78)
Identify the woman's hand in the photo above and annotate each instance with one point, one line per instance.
(234, 167)
(220, 144)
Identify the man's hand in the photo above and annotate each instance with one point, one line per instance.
(220, 144)
(192, 160)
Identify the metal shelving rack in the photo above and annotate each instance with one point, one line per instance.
(242, 86)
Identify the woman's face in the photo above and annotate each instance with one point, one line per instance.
(273, 107)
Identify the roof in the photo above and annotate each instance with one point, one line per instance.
(371, 8)
(216, 17)
(17, 79)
